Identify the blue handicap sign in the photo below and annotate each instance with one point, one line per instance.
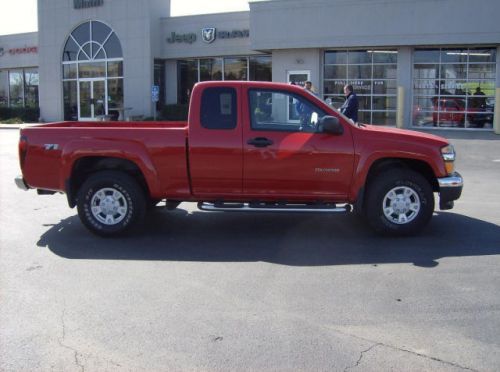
(155, 93)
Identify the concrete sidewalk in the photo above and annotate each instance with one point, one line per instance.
(18, 126)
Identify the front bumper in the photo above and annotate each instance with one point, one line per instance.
(450, 189)
(19, 180)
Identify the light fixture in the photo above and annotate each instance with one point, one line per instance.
(470, 54)
(383, 51)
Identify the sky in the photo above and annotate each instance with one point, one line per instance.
(20, 16)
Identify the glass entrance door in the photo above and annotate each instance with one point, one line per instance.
(92, 99)
(296, 78)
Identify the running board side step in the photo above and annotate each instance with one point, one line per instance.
(273, 207)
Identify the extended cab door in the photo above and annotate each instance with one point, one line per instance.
(285, 154)
(215, 150)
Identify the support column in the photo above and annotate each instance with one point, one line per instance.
(496, 117)
(401, 107)
(404, 84)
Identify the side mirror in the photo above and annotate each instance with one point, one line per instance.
(331, 124)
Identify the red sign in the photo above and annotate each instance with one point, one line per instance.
(25, 50)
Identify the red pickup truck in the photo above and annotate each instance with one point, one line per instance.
(247, 146)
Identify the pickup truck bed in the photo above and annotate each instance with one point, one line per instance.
(157, 148)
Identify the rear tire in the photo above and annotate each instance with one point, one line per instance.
(399, 202)
(110, 203)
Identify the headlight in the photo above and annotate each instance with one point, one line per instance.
(448, 154)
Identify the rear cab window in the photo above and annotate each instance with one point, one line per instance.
(218, 108)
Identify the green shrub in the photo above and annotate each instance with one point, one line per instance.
(24, 114)
(11, 121)
(175, 112)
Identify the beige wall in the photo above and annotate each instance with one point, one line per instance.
(20, 58)
(135, 22)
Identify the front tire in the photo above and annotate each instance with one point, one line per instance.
(399, 202)
(110, 203)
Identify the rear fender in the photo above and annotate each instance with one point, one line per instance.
(131, 151)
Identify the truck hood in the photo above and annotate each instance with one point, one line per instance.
(402, 135)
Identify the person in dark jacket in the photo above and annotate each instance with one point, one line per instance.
(350, 106)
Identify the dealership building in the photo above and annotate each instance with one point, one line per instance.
(413, 64)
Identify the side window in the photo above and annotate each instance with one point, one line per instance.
(218, 108)
(282, 111)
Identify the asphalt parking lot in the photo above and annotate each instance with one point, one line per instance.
(235, 292)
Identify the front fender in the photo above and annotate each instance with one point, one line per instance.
(365, 164)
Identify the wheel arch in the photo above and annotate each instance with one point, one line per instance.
(384, 164)
(84, 167)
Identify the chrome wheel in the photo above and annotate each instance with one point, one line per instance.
(109, 206)
(401, 205)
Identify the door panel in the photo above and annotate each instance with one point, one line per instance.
(296, 161)
(215, 152)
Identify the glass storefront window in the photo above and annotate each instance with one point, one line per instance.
(91, 70)
(19, 88)
(372, 73)
(113, 47)
(454, 87)
(4, 88)
(235, 68)
(70, 100)
(16, 84)
(359, 72)
(482, 71)
(115, 97)
(426, 55)
(210, 69)
(483, 56)
(336, 58)
(115, 69)
(82, 33)
(453, 56)
(190, 71)
(159, 80)
(70, 50)
(31, 87)
(359, 56)
(100, 32)
(260, 68)
(187, 71)
(69, 71)
(385, 56)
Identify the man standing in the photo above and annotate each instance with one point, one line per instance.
(350, 106)
(479, 100)
(309, 87)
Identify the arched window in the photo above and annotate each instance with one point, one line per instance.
(92, 63)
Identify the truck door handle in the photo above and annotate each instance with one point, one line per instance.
(260, 142)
